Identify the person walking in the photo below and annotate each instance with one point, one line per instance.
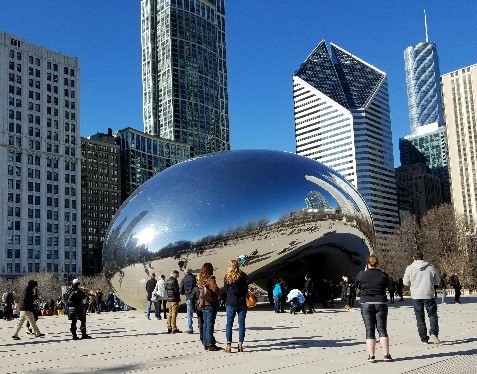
(162, 295)
(277, 296)
(27, 309)
(443, 287)
(392, 290)
(209, 304)
(308, 291)
(373, 283)
(150, 285)
(455, 282)
(77, 310)
(187, 286)
(173, 300)
(422, 277)
(236, 288)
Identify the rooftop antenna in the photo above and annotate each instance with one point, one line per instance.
(425, 25)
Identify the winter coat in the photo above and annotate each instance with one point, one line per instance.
(373, 284)
(422, 277)
(213, 294)
(27, 301)
(160, 289)
(236, 292)
(172, 290)
(150, 285)
(75, 300)
(277, 290)
(187, 285)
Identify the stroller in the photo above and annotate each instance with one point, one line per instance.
(296, 300)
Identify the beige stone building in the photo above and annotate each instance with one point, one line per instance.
(459, 92)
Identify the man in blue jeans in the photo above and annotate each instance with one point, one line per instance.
(187, 286)
(422, 277)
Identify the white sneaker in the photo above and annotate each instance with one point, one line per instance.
(434, 339)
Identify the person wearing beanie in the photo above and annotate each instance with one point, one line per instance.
(76, 309)
(173, 300)
(27, 308)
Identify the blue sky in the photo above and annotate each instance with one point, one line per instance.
(267, 40)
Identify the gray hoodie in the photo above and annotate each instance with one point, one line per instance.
(422, 277)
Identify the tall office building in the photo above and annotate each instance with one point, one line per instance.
(423, 84)
(40, 206)
(342, 120)
(459, 92)
(184, 73)
(100, 195)
(143, 155)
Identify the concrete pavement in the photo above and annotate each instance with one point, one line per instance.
(330, 341)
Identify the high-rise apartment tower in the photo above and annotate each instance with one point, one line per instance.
(184, 73)
(459, 92)
(40, 192)
(342, 120)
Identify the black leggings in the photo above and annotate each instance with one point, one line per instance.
(375, 316)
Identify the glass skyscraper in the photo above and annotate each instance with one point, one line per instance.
(423, 85)
(342, 120)
(184, 73)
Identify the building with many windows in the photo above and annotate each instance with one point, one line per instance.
(184, 73)
(100, 195)
(39, 160)
(342, 120)
(459, 92)
(143, 155)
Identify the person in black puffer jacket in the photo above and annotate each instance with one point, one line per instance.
(173, 300)
(187, 286)
(77, 310)
(27, 309)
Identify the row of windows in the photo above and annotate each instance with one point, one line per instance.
(36, 61)
(36, 268)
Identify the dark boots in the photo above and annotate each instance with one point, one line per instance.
(73, 332)
(84, 335)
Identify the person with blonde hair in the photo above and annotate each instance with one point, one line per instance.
(373, 283)
(209, 304)
(236, 288)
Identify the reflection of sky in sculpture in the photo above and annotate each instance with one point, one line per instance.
(204, 196)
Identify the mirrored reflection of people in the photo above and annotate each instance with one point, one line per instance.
(308, 291)
(209, 304)
(455, 282)
(173, 300)
(422, 277)
(27, 308)
(236, 288)
(373, 283)
(77, 310)
(150, 285)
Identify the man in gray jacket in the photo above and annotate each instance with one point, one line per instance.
(422, 277)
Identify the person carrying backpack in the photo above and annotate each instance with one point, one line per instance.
(77, 310)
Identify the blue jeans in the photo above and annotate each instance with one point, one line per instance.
(431, 308)
(148, 310)
(241, 311)
(190, 315)
(375, 316)
(157, 309)
(277, 303)
(209, 313)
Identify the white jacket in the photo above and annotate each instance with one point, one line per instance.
(422, 277)
(160, 289)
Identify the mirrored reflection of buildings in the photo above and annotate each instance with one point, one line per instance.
(39, 160)
(342, 120)
(184, 73)
(426, 119)
(100, 195)
(144, 155)
(459, 91)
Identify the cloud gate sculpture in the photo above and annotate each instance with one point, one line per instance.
(281, 214)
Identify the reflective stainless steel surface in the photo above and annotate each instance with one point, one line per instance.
(284, 215)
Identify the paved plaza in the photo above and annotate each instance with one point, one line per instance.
(330, 341)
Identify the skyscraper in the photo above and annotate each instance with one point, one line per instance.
(184, 73)
(342, 120)
(423, 84)
(39, 160)
(459, 92)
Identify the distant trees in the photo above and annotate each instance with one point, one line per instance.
(445, 239)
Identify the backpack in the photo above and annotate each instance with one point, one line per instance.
(205, 295)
